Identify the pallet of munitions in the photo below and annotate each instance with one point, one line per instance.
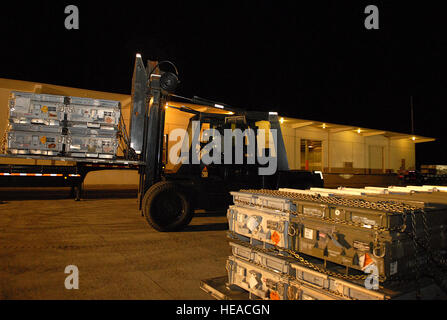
(288, 271)
(268, 275)
(50, 125)
(396, 236)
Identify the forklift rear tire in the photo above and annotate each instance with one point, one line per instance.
(166, 207)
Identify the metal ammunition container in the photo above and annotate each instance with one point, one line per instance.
(35, 143)
(263, 283)
(29, 108)
(93, 112)
(91, 146)
(83, 130)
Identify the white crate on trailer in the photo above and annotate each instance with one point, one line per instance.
(94, 112)
(28, 108)
(34, 128)
(83, 130)
(38, 143)
(91, 146)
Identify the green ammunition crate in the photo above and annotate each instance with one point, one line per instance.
(348, 231)
(355, 247)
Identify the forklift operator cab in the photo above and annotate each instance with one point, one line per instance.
(219, 152)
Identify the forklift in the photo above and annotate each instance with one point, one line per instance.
(169, 197)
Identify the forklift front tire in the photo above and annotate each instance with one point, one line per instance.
(166, 207)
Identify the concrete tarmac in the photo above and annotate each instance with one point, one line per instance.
(118, 255)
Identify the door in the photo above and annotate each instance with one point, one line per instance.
(376, 161)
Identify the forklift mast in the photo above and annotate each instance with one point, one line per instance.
(147, 122)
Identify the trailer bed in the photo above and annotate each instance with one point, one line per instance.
(71, 159)
(71, 173)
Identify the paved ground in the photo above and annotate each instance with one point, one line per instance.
(118, 254)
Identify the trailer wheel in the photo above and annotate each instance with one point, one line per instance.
(166, 207)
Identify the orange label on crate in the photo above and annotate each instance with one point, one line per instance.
(274, 295)
(365, 260)
(275, 237)
(43, 139)
(368, 260)
(44, 109)
(205, 173)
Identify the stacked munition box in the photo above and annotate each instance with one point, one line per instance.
(52, 125)
(338, 243)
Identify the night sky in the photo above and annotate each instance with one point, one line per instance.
(307, 61)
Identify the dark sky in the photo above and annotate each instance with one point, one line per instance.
(308, 61)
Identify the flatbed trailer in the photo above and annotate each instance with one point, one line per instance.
(72, 174)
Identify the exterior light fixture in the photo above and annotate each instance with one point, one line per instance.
(281, 120)
(169, 82)
(413, 138)
(358, 130)
(138, 55)
(324, 126)
(273, 113)
(219, 106)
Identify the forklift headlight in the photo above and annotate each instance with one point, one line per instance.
(169, 82)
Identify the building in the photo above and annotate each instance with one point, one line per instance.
(343, 153)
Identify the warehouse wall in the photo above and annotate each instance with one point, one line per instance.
(348, 146)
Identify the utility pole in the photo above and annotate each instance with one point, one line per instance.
(412, 115)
